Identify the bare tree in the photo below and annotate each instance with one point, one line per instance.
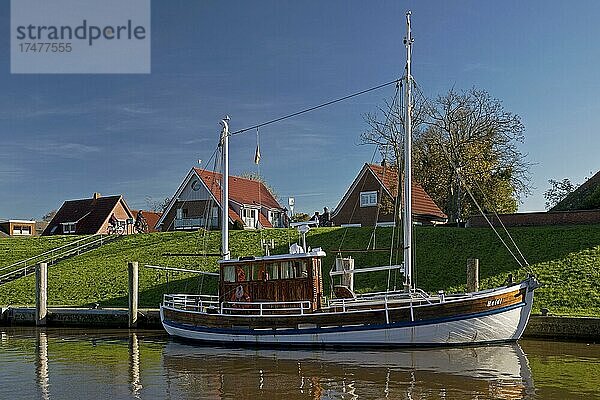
(49, 215)
(461, 140)
(158, 206)
(558, 191)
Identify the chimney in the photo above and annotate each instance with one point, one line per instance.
(97, 195)
(383, 162)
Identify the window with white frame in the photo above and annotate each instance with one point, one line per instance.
(68, 227)
(22, 230)
(250, 217)
(275, 219)
(368, 199)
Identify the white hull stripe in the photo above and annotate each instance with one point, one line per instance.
(373, 327)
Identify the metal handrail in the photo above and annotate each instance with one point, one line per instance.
(97, 238)
(51, 251)
(265, 307)
(202, 302)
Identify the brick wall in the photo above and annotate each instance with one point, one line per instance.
(540, 218)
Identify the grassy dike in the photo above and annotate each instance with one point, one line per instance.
(566, 259)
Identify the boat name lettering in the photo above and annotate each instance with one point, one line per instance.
(492, 303)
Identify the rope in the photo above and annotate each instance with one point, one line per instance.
(468, 189)
(328, 103)
(258, 183)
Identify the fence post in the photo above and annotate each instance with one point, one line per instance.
(472, 275)
(132, 268)
(41, 294)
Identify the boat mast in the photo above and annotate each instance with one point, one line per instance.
(407, 218)
(225, 189)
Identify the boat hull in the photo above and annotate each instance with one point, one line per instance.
(499, 323)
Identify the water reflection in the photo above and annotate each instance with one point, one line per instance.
(476, 372)
(59, 364)
(41, 364)
(134, 365)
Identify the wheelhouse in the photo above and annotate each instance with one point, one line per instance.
(280, 278)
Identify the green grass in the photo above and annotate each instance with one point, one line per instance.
(14, 249)
(565, 259)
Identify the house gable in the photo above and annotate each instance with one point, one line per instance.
(202, 189)
(193, 193)
(382, 181)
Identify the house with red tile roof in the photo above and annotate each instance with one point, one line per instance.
(197, 203)
(91, 216)
(371, 197)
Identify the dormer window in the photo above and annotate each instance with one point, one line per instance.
(368, 199)
(68, 227)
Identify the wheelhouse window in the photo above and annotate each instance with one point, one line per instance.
(266, 271)
(273, 270)
(368, 199)
(229, 273)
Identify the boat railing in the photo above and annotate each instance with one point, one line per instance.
(189, 302)
(417, 295)
(266, 308)
(383, 300)
(212, 305)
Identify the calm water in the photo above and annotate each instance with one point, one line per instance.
(84, 364)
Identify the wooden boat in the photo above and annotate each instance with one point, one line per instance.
(279, 300)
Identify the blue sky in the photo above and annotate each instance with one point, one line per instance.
(67, 136)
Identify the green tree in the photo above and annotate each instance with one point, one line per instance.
(479, 144)
(300, 217)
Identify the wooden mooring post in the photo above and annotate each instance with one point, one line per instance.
(132, 268)
(472, 275)
(41, 294)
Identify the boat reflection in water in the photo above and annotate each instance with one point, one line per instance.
(64, 364)
(486, 372)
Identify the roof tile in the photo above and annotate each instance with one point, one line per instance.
(421, 201)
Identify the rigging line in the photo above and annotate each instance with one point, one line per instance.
(361, 188)
(492, 203)
(328, 103)
(208, 209)
(184, 202)
(258, 182)
(514, 244)
(356, 203)
(461, 179)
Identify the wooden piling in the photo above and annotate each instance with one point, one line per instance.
(132, 268)
(472, 274)
(41, 294)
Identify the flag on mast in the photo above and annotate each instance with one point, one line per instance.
(257, 155)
